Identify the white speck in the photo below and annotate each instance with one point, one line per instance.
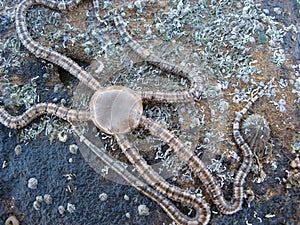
(39, 198)
(180, 120)
(48, 199)
(277, 10)
(56, 88)
(100, 67)
(63, 101)
(61, 209)
(103, 197)
(32, 183)
(138, 4)
(143, 210)
(73, 148)
(195, 122)
(274, 165)
(127, 215)
(130, 6)
(149, 31)
(239, 5)
(126, 197)
(269, 215)
(71, 208)
(4, 164)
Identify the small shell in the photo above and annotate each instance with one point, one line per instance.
(256, 132)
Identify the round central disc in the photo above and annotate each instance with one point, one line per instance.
(116, 110)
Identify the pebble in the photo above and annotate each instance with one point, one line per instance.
(32, 183)
(143, 210)
(56, 88)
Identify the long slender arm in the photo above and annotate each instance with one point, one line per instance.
(161, 185)
(203, 211)
(197, 83)
(187, 155)
(46, 53)
(16, 122)
(226, 207)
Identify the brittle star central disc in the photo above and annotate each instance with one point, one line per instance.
(116, 110)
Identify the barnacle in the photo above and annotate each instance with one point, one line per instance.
(256, 132)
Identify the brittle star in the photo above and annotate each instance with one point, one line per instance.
(117, 110)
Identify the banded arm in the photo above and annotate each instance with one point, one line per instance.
(187, 155)
(158, 183)
(17, 122)
(243, 145)
(47, 53)
(226, 207)
(197, 83)
(202, 216)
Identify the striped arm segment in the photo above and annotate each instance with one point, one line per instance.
(17, 122)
